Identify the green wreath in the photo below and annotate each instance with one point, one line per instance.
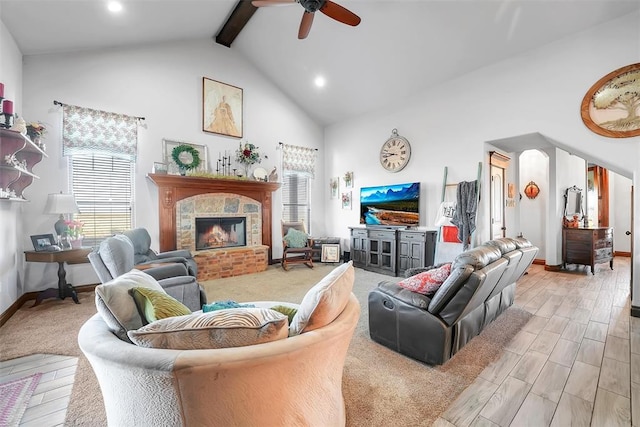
(195, 156)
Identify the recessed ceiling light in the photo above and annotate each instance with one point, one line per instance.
(114, 6)
(320, 81)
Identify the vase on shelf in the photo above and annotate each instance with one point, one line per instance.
(76, 243)
(247, 169)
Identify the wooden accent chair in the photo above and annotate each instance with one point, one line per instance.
(296, 253)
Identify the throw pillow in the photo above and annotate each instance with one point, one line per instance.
(154, 305)
(116, 306)
(325, 301)
(236, 327)
(290, 312)
(296, 239)
(427, 282)
(221, 305)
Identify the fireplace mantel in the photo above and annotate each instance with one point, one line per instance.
(172, 188)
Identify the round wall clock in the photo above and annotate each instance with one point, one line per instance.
(395, 152)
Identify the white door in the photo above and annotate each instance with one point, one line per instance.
(497, 201)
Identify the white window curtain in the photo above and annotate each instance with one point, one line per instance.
(93, 131)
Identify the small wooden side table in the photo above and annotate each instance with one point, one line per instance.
(70, 256)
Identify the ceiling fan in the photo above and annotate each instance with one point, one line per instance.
(329, 8)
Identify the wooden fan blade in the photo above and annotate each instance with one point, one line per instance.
(339, 13)
(261, 3)
(305, 25)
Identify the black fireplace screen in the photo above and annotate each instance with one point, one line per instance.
(222, 232)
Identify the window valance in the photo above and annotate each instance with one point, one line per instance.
(93, 131)
(298, 159)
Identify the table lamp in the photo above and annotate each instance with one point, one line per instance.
(59, 203)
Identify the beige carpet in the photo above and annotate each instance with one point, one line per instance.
(380, 386)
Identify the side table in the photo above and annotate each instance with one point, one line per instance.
(70, 256)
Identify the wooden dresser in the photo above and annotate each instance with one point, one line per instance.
(587, 246)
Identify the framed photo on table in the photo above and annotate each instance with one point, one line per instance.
(330, 252)
(43, 242)
(221, 108)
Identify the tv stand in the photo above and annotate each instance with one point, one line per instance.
(391, 250)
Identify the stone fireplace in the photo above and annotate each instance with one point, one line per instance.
(220, 232)
(221, 208)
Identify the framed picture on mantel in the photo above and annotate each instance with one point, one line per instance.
(221, 108)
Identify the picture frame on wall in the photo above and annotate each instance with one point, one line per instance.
(172, 168)
(334, 185)
(222, 110)
(346, 200)
(606, 109)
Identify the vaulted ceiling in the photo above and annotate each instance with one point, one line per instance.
(402, 47)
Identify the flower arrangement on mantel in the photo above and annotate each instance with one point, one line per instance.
(247, 155)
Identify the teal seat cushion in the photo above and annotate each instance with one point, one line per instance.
(296, 239)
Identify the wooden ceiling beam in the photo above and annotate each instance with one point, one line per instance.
(241, 14)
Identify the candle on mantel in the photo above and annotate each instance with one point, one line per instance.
(1, 90)
(7, 106)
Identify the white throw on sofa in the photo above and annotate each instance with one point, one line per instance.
(295, 381)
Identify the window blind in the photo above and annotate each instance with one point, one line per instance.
(103, 189)
(296, 204)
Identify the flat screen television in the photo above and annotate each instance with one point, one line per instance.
(394, 205)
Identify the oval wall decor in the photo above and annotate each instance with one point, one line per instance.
(612, 106)
(532, 190)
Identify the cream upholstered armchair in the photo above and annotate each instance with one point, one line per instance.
(291, 381)
(297, 246)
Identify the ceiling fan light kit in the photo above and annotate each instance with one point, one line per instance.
(329, 8)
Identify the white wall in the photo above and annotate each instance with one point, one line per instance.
(534, 166)
(11, 227)
(162, 83)
(536, 92)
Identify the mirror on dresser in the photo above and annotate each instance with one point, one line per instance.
(572, 207)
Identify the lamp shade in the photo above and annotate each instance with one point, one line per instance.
(59, 203)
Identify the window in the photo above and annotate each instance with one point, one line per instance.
(103, 189)
(296, 205)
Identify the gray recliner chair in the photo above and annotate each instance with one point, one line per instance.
(115, 257)
(143, 254)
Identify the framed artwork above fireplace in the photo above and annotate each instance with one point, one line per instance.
(172, 168)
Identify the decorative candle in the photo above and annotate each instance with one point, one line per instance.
(7, 106)
(1, 90)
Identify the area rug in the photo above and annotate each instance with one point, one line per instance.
(381, 387)
(14, 398)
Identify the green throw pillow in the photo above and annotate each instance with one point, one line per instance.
(154, 305)
(295, 238)
(287, 311)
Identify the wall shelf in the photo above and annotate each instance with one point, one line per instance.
(17, 177)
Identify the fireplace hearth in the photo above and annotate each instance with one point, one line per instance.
(220, 232)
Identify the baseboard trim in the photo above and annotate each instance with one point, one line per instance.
(635, 311)
(538, 261)
(553, 267)
(625, 254)
(13, 308)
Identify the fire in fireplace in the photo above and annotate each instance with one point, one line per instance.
(220, 232)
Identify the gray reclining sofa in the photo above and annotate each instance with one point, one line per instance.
(480, 287)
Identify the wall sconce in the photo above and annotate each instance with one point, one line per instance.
(532, 190)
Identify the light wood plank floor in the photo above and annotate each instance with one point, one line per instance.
(576, 363)
(48, 404)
